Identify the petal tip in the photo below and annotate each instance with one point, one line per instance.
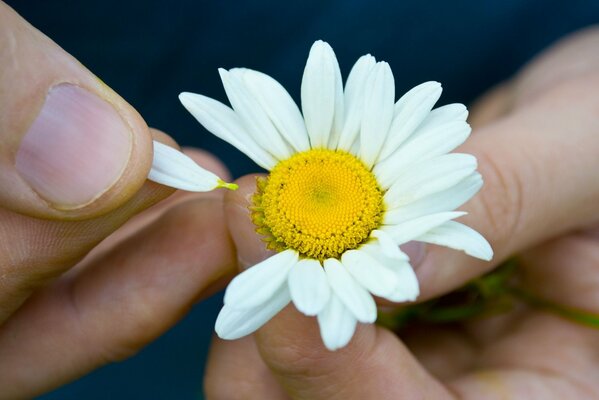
(185, 98)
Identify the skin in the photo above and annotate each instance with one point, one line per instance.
(536, 141)
(133, 267)
(84, 287)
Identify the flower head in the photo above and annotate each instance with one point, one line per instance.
(351, 179)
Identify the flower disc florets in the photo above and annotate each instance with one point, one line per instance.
(320, 203)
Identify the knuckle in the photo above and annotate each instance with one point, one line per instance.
(293, 358)
(501, 200)
(302, 362)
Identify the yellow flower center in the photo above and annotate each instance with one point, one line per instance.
(319, 202)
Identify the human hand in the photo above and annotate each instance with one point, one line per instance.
(74, 160)
(536, 142)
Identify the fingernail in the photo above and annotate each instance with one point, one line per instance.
(414, 250)
(76, 149)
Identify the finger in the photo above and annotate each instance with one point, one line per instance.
(444, 351)
(69, 146)
(291, 345)
(564, 271)
(235, 371)
(494, 104)
(543, 356)
(34, 251)
(73, 159)
(572, 56)
(137, 222)
(539, 182)
(120, 303)
(521, 179)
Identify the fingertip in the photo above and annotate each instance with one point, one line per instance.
(251, 249)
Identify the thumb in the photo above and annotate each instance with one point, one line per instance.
(73, 161)
(374, 365)
(69, 146)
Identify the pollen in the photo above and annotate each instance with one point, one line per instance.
(320, 203)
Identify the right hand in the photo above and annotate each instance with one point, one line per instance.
(537, 142)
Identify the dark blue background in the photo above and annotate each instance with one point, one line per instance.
(149, 51)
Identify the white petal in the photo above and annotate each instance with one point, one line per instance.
(410, 111)
(355, 147)
(172, 168)
(258, 283)
(446, 200)
(425, 144)
(280, 108)
(406, 288)
(252, 115)
(339, 109)
(447, 113)
(319, 93)
(337, 324)
(371, 274)
(226, 125)
(460, 237)
(387, 245)
(353, 295)
(409, 230)
(378, 112)
(429, 177)
(233, 323)
(309, 286)
(354, 100)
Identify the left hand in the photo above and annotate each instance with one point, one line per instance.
(128, 291)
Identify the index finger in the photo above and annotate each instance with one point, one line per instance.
(539, 165)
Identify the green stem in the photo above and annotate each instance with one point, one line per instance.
(573, 314)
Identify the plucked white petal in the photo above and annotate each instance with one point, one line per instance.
(410, 111)
(234, 323)
(172, 168)
(379, 96)
(369, 273)
(309, 286)
(337, 324)
(429, 177)
(319, 93)
(258, 283)
(460, 237)
(446, 200)
(354, 100)
(409, 230)
(353, 295)
(425, 144)
(224, 123)
(339, 109)
(254, 118)
(280, 108)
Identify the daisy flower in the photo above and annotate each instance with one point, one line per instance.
(352, 177)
